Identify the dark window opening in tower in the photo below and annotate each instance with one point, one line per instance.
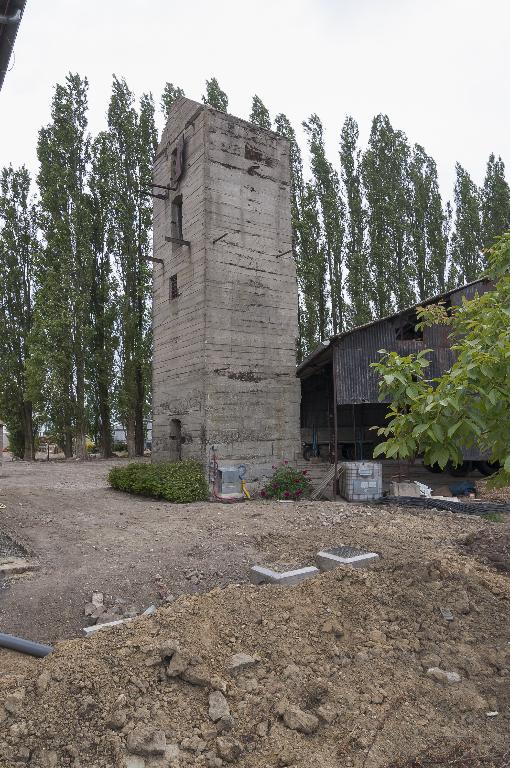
(177, 217)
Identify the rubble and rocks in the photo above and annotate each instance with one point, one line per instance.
(241, 661)
(146, 741)
(98, 613)
(442, 676)
(228, 749)
(9, 547)
(218, 706)
(353, 668)
(14, 701)
(298, 720)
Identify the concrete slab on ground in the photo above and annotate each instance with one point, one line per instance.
(261, 575)
(338, 556)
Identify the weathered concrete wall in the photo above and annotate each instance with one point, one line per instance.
(224, 349)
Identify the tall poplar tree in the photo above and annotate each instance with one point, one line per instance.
(467, 260)
(132, 141)
(332, 212)
(170, 93)
(65, 267)
(386, 182)
(18, 250)
(312, 271)
(358, 275)
(428, 226)
(214, 96)
(103, 309)
(285, 129)
(495, 202)
(260, 114)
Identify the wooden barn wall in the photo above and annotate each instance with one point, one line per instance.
(357, 381)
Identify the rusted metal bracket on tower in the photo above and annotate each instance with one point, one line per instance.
(163, 196)
(285, 253)
(152, 258)
(177, 241)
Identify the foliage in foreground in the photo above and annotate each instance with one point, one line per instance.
(287, 483)
(470, 403)
(180, 481)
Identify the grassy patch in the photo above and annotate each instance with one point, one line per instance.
(493, 517)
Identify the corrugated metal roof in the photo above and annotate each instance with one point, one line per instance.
(324, 350)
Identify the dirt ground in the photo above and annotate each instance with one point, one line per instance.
(351, 669)
(88, 537)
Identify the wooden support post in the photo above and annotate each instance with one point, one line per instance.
(335, 425)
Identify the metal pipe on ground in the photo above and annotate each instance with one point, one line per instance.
(14, 643)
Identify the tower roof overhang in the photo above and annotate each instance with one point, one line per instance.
(11, 12)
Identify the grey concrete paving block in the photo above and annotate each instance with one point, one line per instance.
(261, 575)
(328, 559)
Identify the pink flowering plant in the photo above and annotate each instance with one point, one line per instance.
(287, 483)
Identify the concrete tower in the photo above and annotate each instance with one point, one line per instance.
(225, 292)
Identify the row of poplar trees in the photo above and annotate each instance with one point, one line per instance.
(371, 235)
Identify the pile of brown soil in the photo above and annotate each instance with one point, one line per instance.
(463, 755)
(491, 545)
(333, 672)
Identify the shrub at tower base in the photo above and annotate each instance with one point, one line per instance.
(179, 481)
(287, 484)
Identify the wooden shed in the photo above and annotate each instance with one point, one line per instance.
(343, 365)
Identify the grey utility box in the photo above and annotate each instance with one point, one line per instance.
(229, 481)
(361, 480)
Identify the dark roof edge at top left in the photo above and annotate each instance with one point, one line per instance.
(11, 13)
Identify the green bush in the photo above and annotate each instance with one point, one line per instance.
(179, 481)
(287, 483)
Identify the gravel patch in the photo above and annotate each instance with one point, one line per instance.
(9, 548)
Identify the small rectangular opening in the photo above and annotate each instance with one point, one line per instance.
(406, 330)
(177, 161)
(177, 217)
(173, 289)
(173, 165)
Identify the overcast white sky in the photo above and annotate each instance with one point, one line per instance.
(438, 68)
